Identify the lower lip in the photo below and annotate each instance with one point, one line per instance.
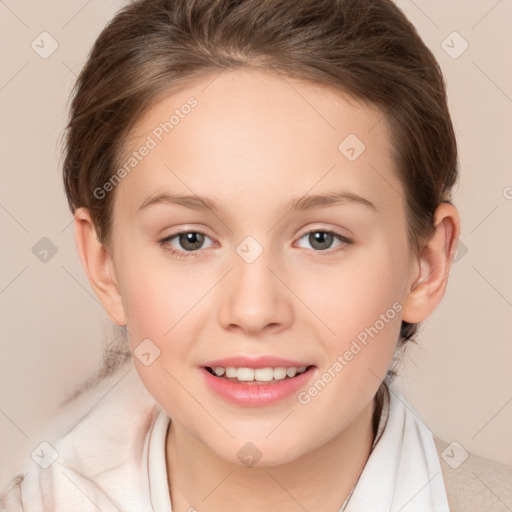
(253, 395)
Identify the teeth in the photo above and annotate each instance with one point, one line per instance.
(291, 371)
(264, 374)
(279, 373)
(231, 372)
(245, 374)
(259, 374)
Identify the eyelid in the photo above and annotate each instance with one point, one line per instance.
(323, 229)
(187, 229)
(345, 240)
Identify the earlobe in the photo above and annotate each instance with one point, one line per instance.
(99, 266)
(432, 268)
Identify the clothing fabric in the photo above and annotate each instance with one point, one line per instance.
(106, 451)
(403, 472)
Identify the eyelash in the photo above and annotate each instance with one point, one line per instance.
(187, 254)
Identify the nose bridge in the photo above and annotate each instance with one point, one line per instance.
(254, 298)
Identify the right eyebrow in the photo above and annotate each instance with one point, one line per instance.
(194, 202)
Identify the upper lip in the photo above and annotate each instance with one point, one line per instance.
(254, 362)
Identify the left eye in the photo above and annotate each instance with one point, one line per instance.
(322, 240)
(187, 241)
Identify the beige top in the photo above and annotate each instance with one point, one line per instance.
(478, 484)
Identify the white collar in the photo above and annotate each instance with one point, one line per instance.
(157, 467)
(402, 473)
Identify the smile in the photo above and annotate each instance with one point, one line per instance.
(267, 375)
(256, 383)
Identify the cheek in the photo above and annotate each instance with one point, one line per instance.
(364, 310)
(149, 304)
(154, 291)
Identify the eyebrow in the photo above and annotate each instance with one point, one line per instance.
(193, 202)
(323, 200)
(303, 203)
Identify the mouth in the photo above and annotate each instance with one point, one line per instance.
(256, 381)
(257, 376)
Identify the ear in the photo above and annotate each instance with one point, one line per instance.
(99, 266)
(434, 263)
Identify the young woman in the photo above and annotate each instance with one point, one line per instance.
(262, 201)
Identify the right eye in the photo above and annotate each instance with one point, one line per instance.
(184, 242)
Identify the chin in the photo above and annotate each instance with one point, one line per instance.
(261, 452)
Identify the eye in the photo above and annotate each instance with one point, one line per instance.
(321, 240)
(185, 242)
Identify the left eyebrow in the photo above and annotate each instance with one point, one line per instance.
(323, 200)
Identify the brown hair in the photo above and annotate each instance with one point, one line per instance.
(366, 48)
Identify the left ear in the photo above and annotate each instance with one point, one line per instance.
(434, 261)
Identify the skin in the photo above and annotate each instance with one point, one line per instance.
(255, 141)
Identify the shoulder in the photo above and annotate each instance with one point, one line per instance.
(94, 447)
(473, 482)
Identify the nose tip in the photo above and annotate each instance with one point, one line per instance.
(254, 299)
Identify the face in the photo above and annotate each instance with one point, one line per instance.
(251, 272)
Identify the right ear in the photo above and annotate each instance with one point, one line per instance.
(99, 266)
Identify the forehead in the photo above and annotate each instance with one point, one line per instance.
(263, 133)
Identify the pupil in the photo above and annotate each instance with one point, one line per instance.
(320, 239)
(191, 241)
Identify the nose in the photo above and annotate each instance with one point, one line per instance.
(255, 299)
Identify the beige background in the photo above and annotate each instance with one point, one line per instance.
(459, 379)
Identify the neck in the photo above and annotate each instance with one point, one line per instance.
(199, 478)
